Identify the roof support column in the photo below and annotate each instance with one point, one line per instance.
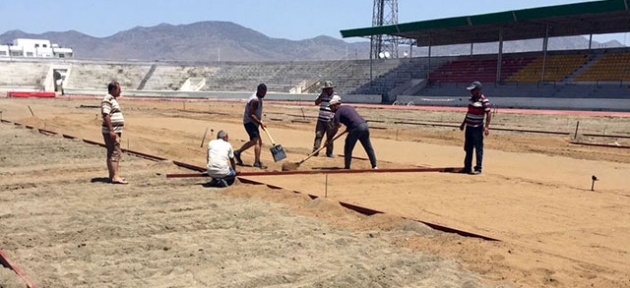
(371, 48)
(471, 48)
(590, 41)
(500, 56)
(429, 66)
(545, 46)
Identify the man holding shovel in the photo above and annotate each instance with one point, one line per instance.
(252, 120)
(357, 130)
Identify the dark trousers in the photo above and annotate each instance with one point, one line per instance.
(474, 140)
(360, 133)
(323, 128)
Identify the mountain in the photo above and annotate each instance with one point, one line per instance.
(227, 41)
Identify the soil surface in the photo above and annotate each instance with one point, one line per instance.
(66, 227)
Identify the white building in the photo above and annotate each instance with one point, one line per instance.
(34, 48)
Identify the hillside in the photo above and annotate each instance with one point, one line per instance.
(227, 41)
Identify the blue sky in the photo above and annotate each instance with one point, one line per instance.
(290, 19)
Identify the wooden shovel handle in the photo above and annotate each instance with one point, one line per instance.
(323, 146)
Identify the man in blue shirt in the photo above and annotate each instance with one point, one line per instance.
(357, 130)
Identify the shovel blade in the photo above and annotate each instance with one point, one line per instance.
(278, 153)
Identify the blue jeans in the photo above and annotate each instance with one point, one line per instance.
(229, 178)
(474, 141)
(359, 133)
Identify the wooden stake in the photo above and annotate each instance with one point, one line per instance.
(204, 138)
(326, 191)
(29, 108)
(577, 127)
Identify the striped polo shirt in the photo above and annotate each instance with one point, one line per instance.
(109, 106)
(325, 114)
(477, 110)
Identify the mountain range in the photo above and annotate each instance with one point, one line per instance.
(226, 41)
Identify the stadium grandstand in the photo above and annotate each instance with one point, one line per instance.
(594, 79)
(588, 73)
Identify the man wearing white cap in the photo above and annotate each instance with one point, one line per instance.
(478, 109)
(324, 119)
(221, 165)
(357, 130)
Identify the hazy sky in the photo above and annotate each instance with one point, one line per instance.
(291, 19)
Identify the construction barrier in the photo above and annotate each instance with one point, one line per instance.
(31, 94)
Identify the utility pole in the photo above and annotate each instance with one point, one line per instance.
(385, 12)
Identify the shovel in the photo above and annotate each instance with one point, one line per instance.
(276, 150)
(294, 166)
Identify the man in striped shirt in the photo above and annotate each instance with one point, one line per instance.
(478, 109)
(324, 120)
(113, 122)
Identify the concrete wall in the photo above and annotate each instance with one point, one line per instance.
(363, 99)
(525, 102)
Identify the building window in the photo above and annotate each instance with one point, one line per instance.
(45, 45)
(3, 53)
(36, 45)
(29, 54)
(62, 55)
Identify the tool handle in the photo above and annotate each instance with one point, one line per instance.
(323, 146)
(269, 135)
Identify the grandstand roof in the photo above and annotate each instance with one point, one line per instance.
(598, 17)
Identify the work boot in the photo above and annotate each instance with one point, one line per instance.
(330, 155)
(237, 156)
(258, 164)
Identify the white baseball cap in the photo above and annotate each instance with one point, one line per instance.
(335, 100)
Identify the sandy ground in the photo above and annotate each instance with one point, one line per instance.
(534, 194)
(65, 227)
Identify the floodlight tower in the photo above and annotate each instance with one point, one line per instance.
(385, 12)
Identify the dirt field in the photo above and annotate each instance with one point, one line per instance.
(534, 196)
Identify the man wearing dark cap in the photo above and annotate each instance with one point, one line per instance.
(478, 109)
(252, 120)
(220, 157)
(324, 119)
(357, 130)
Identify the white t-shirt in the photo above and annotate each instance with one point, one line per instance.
(219, 154)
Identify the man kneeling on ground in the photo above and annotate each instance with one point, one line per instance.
(219, 153)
